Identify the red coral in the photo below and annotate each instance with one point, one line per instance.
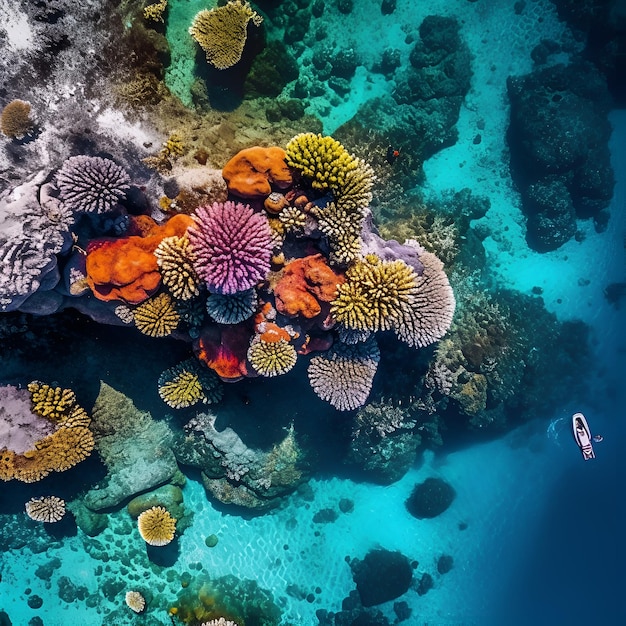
(252, 172)
(126, 269)
(305, 284)
(223, 349)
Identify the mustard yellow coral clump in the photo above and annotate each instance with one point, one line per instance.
(175, 259)
(157, 317)
(272, 358)
(68, 445)
(374, 295)
(222, 32)
(187, 383)
(322, 160)
(156, 526)
(155, 11)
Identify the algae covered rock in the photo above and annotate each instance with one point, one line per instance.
(135, 448)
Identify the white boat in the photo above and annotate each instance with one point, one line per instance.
(582, 435)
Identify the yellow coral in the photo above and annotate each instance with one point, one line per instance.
(187, 383)
(156, 526)
(272, 358)
(52, 403)
(374, 294)
(68, 445)
(322, 160)
(157, 317)
(175, 258)
(222, 32)
(155, 11)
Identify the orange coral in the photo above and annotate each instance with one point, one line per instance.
(304, 284)
(252, 172)
(126, 269)
(224, 351)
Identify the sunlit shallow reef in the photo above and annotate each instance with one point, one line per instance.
(198, 280)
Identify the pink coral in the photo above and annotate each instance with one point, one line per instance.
(233, 245)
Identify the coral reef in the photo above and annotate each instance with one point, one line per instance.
(131, 469)
(222, 31)
(91, 184)
(46, 509)
(156, 526)
(232, 244)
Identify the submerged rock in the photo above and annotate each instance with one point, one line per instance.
(430, 498)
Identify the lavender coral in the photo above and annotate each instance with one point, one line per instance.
(343, 376)
(232, 244)
(91, 184)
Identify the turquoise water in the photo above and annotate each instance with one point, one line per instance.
(279, 500)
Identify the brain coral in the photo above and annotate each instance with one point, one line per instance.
(272, 358)
(187, 383)
(343, 376)
(175, 259)
(157, 317)
(156, 526)
(232, 244)
(232, 309)
(222, 32)
(91, 184)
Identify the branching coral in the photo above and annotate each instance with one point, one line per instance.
(374, 294)
(175, 259)
(15, 119)
(46, 509)
(272, 358)
(91, 184)
(53, 403)
(157, 317)
(343, 376)
(222, 32)
(187, 383)
(232, 309)
(156, 526)
(154, 12)
(232, 244)
(343, 228)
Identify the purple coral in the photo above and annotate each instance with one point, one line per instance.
(91, 184)
(233, 245)
(343, 376)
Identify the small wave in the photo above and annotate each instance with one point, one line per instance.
(555, 430)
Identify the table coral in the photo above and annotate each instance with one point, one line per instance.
(222, 32)
(126, 269)
(232, 244)
(157, 317)
(156, 526)
(91, 184)
(304, 284)
(252, 172)
(343, 376)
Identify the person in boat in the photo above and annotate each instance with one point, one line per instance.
(583, 437)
